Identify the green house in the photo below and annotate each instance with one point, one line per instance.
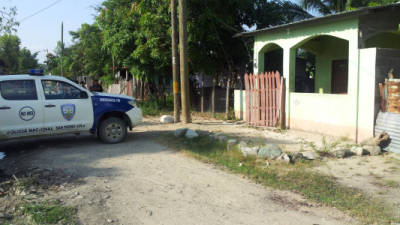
(332, 66)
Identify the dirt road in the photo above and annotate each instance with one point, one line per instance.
(142, 182)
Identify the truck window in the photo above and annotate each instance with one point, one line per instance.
(18, 90)
(60, 90)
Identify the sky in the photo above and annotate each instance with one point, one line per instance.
(40, 32)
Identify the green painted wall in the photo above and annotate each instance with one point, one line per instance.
(331, 49)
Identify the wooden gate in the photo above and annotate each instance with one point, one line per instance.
(265, 99)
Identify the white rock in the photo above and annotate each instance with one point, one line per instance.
(373, 150)
(284, 157)
(310, 155)
(247, 151)
(242, 144)
(191, 134)
(167, 119)
(180, 132)
(358, 151)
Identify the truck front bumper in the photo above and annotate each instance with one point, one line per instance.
(135, 115)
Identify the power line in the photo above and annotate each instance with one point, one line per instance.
(41, 10)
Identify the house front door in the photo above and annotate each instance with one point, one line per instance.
(340, 76)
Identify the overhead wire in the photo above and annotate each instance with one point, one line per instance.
(41, 10)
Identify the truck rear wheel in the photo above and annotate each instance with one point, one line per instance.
(112, 130)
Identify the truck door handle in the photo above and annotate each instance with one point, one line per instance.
(50, 106)
(4, 107)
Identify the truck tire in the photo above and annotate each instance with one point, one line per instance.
(112, 130)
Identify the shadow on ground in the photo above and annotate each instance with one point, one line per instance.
(79, 156)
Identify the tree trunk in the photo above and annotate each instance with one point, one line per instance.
(202, 93)
(175, 61)
(227, 100)
(185, 90)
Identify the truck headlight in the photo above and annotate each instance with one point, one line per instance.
(133, 103)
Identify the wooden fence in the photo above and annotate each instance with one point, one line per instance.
(265, 99)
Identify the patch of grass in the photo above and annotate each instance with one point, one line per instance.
(345, 139)
(218, 115)
(393, 160)
(388, 183)
(293, 177)
(156, 107)
(48, 213)
(22, 183)
(327, 147)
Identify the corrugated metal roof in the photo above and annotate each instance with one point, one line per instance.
(390, 123)
(346, 14)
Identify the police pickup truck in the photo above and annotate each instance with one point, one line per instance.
(37, 105)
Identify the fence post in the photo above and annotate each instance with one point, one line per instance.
(283, 92)
(247, 97)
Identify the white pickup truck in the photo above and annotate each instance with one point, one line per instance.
(37, 105)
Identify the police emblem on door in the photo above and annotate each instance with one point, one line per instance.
(68, 111)
(27, 113)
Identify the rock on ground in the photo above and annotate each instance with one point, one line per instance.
(341, 153)
(270, 151)
(191, 134)
(359, 151)
(285, 158)
(373, 149)
(180, 132)
(248, 151)
(203, 132)
(242, 144)
(167, 119)
(310, 155)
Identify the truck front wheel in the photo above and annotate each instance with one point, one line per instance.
(112, 130)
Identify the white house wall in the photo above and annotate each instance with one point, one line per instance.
(333, 114)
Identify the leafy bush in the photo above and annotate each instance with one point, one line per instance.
(156, 107)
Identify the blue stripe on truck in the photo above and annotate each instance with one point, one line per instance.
(105, 104)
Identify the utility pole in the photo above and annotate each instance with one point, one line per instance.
(62, 48)
(175, 62)
(183, 63)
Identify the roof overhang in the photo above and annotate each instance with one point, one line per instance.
(321, 20)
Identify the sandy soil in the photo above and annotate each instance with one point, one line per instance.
(142, 182)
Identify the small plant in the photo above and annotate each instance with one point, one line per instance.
(49, 213)
(326, 148)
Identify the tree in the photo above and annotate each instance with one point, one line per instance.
(325, 7)
(13, 59)
(87, 57)
(51, 63)
(8, 23)
(135, 34)
(9, 53)
(27, 60)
